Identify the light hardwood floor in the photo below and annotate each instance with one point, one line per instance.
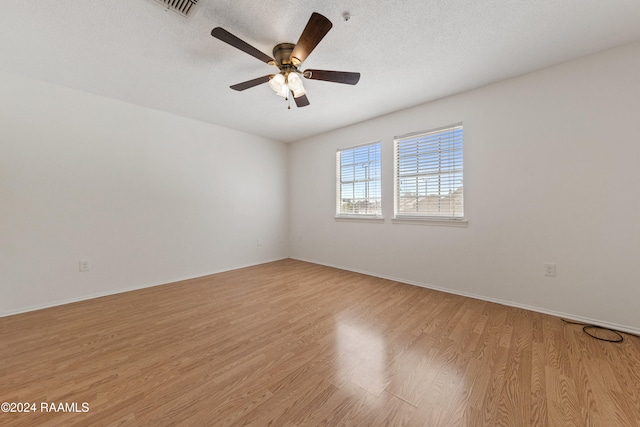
(291, 343)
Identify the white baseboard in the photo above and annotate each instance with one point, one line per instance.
(568, 316)
(123, 290)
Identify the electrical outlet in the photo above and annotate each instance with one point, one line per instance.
(84, 265)
(550, 269)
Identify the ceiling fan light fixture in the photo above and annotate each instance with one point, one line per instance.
(279, 85)
(295, 85)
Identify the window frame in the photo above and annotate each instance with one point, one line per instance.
(339, 214)
(419, 218)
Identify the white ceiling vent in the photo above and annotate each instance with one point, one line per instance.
(183, 7)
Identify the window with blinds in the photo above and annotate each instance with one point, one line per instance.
(358, 178)
(429, 174)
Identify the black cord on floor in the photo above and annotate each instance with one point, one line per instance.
(586, 327)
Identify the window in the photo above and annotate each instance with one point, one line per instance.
(358, 181)
(429, 175)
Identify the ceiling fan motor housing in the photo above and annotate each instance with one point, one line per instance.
(282, 53)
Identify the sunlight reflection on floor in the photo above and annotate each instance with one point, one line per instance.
(361, 357)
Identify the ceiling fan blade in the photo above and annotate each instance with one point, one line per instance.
(227, 37)
(333, 76)
(251, 83)
(301, 101)
(317, 27)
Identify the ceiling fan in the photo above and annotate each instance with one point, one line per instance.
(288, 58)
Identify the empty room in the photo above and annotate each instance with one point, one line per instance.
(342, 213)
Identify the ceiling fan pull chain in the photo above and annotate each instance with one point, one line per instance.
(286, 86)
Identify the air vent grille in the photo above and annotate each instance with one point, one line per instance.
(183, 7)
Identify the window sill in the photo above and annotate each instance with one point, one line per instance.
(431, 221)
(360, 218)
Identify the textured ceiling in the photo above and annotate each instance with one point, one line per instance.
(408, 52)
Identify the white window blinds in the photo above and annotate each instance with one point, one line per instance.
(358, 190)
(429, 176)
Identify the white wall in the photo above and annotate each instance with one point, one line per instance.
(147, 197)
(551, 175)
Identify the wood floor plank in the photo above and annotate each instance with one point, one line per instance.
(291, 343)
